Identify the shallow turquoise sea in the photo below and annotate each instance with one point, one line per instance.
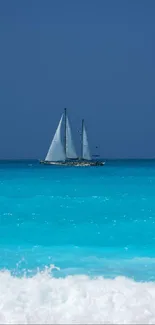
(84, 220)
(66, 223)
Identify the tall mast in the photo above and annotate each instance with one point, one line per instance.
(65, 132)
(82, 138)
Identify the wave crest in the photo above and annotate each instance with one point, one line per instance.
(74, 300)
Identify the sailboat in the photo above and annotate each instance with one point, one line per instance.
(62, 149)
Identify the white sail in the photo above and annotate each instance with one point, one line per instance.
(86, 151)
(70, 148)
(56, 151)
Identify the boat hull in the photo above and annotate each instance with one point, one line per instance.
(74, 163)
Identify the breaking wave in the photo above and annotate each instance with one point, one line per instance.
(43, 299)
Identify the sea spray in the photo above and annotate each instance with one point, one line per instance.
(74, 300)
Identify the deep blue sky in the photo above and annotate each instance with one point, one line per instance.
(97, 58)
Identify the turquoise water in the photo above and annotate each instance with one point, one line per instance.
(92, 221)
(77, 245)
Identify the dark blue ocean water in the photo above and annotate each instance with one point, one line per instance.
(93, 221)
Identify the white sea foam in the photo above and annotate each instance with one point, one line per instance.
(75, 300)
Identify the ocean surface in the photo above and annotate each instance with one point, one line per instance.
(77, 245)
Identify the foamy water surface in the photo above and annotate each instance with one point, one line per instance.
(96, 225)
(75, 300)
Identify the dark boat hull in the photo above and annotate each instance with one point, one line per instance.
(74, 163)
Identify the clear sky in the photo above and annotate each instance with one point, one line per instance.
(97, 58)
